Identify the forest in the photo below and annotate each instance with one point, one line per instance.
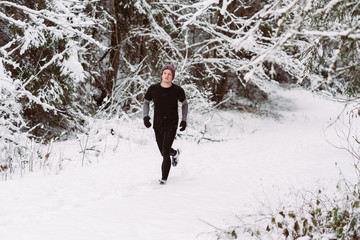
(64, 63)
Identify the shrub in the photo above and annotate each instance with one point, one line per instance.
(317, 217)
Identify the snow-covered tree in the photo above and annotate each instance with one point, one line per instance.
(296, 41)
(43, 79)
(42, 46)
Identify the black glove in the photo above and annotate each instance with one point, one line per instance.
(147, 121)
(182, 125)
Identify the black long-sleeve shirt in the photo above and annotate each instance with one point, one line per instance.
(165, 105)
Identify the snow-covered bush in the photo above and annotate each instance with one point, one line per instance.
(311, 215)
(319, 217)
(18, 152)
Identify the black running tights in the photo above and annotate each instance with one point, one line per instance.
(164, 139)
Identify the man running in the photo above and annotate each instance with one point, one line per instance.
(165, 96)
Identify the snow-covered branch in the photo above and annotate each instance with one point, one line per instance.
(353, 34)
(160, 33)
(66, 21)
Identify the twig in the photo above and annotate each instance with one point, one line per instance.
(84, 149)
(209, 224)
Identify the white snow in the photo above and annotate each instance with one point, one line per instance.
(117, 196)
(72, 65)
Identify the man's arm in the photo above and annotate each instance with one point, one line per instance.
(184, 108)
(146, 108)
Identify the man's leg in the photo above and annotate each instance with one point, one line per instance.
(168, 139)
(159, 136)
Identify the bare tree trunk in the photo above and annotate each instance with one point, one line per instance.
(220, 84)
(115, 40)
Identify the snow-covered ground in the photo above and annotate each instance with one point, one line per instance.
(117, 196)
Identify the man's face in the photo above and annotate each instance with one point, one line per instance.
(167, 76)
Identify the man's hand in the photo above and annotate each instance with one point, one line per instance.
(182, 125)
(147, 121)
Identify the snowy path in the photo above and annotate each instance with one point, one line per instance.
(119, 198)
